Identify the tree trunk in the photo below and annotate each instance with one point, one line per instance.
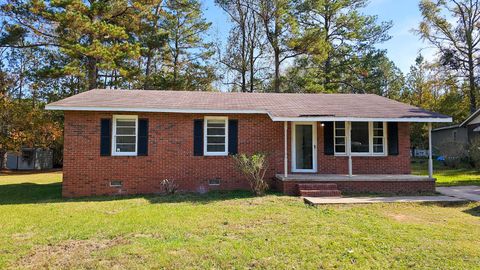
(277, 70)
(92, 73)
(326, 74)
(146, 82)
(2, 158)
(252, 66)
(243, 48)
(252, 52)
(472, 88)
(175, 71)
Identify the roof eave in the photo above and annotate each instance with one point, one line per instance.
(155, 110)
(274, 118)
(475, 114)
(366, 119)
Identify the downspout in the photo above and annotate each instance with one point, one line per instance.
(285, 158)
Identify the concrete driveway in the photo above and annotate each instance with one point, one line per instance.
(471, 193)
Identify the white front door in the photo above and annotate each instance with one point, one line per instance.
(304, 147)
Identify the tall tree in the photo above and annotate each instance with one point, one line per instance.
(96, 35)
(188, 53)
(152, 38)
(245, 44)
(457, 40)
(432, 87)
(280, 27)
(338, 36)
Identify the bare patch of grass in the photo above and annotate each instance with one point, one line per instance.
(67, 254)
(404, 218)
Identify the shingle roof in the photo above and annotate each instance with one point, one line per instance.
(280, 107)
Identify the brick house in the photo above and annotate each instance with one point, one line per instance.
(128, 141)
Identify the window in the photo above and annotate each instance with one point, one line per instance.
(366, 138)
(116, 183)
(340, 137)
(216, 136)
(378, 138)
(214, 182)
(124, 140)
(359, 137)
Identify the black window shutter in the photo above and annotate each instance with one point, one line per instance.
(142, 137)
(392, 133)
(105, 137)
(198, 137)
(328, 147)
(232, 137)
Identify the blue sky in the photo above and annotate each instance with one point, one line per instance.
(402, 48)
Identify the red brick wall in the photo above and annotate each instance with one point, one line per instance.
(171, 156)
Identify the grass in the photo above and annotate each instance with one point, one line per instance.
(39, 229)
(447, 176)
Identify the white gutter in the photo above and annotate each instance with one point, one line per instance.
(365, 119)
(274, 118)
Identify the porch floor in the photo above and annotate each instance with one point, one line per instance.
(357, 177)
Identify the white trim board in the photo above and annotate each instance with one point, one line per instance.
(362, 119)
(314, 147)
(274, 118)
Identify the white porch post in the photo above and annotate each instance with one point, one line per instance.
(285, 158)
(430, 160)
(348, 127)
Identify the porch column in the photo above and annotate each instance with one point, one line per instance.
(285, 157)
(348, 127)
(430, 160)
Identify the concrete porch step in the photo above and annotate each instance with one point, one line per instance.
(318, 186)
(320, 193)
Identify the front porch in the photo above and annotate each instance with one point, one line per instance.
(365, 183)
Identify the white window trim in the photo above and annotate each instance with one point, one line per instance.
(348, 137)
(114, 135)
(205, 120)
(346, 128)
(314, 147)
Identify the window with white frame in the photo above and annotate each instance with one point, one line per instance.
(215, 136)
(366, 138)
(125, 131)
(340, 137)
(378, 137)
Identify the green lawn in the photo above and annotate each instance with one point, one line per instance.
(38, 229)
(447, 176)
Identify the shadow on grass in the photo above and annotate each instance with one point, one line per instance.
(459, 183)
(474, 211)
(31, 193)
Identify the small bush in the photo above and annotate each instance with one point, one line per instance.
(169, 186)
(254, 168)
(474, 152)
(454, 153)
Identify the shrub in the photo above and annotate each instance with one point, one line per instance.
(454, 153)
(474, 152)
(169, 186)
(254, 168)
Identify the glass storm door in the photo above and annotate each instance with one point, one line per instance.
(304, 147)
